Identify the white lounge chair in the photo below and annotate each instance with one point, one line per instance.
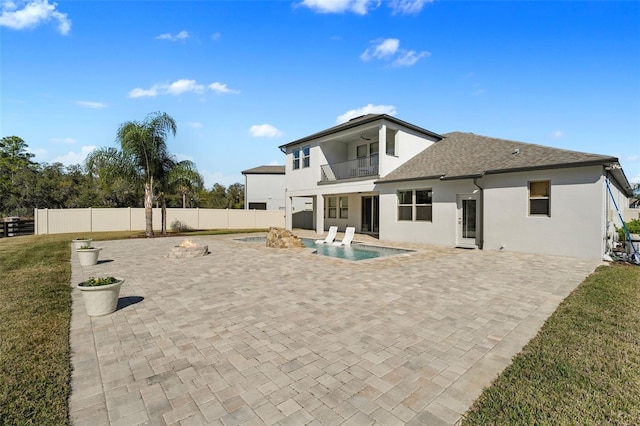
(333, 230)
(348, 237)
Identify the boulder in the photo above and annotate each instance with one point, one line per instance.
(282, 238)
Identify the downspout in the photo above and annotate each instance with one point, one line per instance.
(475, 182)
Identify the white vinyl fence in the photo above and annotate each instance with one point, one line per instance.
(58, 221)
(631, 214)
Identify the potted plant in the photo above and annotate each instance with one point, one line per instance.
(101, 294)
(81, 241)
(88, 255)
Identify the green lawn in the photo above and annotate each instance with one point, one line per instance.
(583, 367)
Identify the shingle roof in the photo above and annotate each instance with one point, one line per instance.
(265, 170)
(364, 119)
(461, 155)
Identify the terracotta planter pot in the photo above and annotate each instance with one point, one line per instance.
(88, 257)
(101, 300)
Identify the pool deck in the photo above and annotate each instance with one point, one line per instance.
(250, 335)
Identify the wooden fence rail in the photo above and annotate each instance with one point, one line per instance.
(17, 228)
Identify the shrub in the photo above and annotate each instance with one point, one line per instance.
(179, 226)
(633, 226)
(96, 282)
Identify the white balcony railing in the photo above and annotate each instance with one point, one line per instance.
(360, 167)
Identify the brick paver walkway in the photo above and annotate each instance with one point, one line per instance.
(250, 335)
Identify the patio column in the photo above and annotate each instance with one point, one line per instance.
(288, 215)
(318, 209)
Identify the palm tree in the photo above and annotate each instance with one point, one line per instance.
(143, 156)
(184, 178)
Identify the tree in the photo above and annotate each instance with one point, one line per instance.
(184, 179)
(143, 156)
(16, 169)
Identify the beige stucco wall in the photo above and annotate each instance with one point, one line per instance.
(57, 221)
(576, 227)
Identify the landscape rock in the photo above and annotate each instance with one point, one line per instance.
(282, 238)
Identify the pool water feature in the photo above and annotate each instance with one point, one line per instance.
(353, 252)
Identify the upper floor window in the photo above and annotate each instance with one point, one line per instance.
(306, 160)
(306, 157)
(415, 205)
(539, 198)
(296, 158)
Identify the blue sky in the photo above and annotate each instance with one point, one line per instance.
(243, 77)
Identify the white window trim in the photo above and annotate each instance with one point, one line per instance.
(414, 205)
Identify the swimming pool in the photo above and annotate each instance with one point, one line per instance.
(353, 252)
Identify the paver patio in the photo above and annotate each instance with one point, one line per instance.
(251, 335)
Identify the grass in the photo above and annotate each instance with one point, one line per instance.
(35, 315)
(583, 367)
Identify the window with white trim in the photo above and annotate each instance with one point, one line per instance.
(343, 202)
(415, 205)
(306, 156)
(332, 207)
(540, 198)
(296, 158)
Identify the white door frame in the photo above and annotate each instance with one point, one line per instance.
(467, 236)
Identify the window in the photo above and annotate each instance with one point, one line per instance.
(405, 207)
(391, 142)
(539, 197)
(344, 207)
(423, 204)
(257, 206)
(306, 159)
(373, 148)
(415, 205)
(332, 207)
(296, 158)
(361, 151)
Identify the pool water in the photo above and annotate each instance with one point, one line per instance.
(354, 252)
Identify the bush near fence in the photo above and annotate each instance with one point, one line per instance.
(58, 221)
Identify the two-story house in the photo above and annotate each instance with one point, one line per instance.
(401, 182)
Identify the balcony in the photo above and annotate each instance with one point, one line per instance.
(362, 167)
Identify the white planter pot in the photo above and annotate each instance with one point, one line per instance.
(88, 257)
(79, 243)
(101, 300)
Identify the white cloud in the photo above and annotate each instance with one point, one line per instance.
(71, 157)
(275, 163)
(478, 92)
(221, 88)
(389, 50)
(182, 35)
(367, 109)
(91, 104)
(381, 49)
(557, 134)
(142, 93)
(408, 7)
(182, 86)
(68, 141)
(218, 177)
(179, 87)
(194, 124)
(264, 131)
(216, 36)
(408, 58)
(359, 7)
(32, 14)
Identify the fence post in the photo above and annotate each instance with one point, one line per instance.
(35, 221)
(129, 210)
(90, 220)
(47, 211)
